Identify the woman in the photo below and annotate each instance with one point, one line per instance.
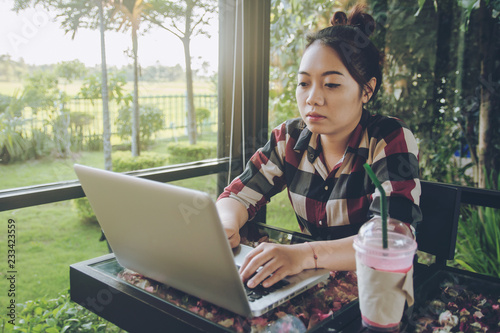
(319, 158)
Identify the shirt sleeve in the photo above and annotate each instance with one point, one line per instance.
(263, 176)
(394, 159)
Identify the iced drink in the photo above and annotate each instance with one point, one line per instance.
(385, 280)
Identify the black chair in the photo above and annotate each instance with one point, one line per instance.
(437, 232)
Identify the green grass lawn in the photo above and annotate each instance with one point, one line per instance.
(50, 237)
(46, 170)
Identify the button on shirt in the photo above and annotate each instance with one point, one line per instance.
(331, 205)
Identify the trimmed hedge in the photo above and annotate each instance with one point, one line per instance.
(124, 161)
(183, 152)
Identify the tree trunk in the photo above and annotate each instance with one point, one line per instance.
(191, 115)
(64, 138)
(485, 107)
(442, 65)
(135, 108)
(106, 126)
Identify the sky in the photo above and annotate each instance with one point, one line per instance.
(35, 36)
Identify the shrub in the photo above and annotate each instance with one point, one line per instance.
(183, 152)
(94, 143)
(202, 114)
(12, 143)
(78, 121)
(57, 315)
(124, 161)
(84, 210)
(122, 147)
(478, 248)
(61, 134)
(40, 144)
(478, 245)
(150, 122)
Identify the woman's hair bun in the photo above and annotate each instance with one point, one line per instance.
(339, 18)
(357, 18)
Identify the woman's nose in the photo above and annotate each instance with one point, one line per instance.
(315, 96)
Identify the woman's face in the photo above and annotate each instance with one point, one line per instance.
(328, 97)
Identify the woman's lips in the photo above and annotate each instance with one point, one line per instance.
(313, 116)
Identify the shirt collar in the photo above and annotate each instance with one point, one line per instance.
(357, 134)
(304, 137)
(310, 141)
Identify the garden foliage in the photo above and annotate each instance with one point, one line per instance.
(183, 152)
(151, 121)
(431, 75)
(478, 246)
(58, 315)
(124, 161)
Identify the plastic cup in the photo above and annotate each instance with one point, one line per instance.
(382, 273)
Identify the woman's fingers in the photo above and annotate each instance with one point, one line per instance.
(269, 263)
(252, 263)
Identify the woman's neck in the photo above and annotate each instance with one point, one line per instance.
(333, 150)
(334, 145)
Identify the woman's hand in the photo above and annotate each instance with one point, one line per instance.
(277, 262)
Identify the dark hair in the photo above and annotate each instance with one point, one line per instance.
(348, 36)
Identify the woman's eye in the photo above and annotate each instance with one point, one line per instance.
(332, 85)
(302, 84)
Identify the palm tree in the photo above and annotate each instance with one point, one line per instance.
(130, 13)
(106, 128)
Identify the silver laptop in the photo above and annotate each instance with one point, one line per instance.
(173, 235)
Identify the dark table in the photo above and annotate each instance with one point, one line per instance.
(137, 304)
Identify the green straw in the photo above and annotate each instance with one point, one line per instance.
(383, 203)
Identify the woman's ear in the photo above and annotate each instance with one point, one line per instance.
(369, 89)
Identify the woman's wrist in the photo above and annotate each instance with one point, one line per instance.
(315, 257)
(308, 256)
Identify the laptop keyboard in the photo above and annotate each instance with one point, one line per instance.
(260, 291)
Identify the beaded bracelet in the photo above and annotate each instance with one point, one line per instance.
(314, 256)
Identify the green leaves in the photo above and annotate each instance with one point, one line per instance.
(124, 161)
(478, 245)
(57, 315)
(70, 70)
(151, 121)
(12, 143)
(92, 87)
(290, 22)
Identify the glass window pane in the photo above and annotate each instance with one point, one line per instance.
(50, 90)
(440, 72)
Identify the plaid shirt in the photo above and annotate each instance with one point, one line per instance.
(332, 205)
